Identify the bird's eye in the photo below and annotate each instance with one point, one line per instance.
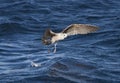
(64, 35)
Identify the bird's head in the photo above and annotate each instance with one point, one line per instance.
(64, 35)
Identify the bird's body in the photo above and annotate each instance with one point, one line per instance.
(58, 37)
(51, 37)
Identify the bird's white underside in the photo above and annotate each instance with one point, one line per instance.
(59, 36)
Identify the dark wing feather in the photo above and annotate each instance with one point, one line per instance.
(46, 39)
(48, 33)
(75, 29)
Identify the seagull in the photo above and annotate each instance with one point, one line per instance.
(51, 37)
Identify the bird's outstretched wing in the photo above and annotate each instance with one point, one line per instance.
(75, 29)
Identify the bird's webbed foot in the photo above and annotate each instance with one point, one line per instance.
(55, 48)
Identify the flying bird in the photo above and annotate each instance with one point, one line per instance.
(51, 37)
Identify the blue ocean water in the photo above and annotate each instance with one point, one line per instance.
(91, 58)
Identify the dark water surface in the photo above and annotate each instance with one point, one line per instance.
(92, 58)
